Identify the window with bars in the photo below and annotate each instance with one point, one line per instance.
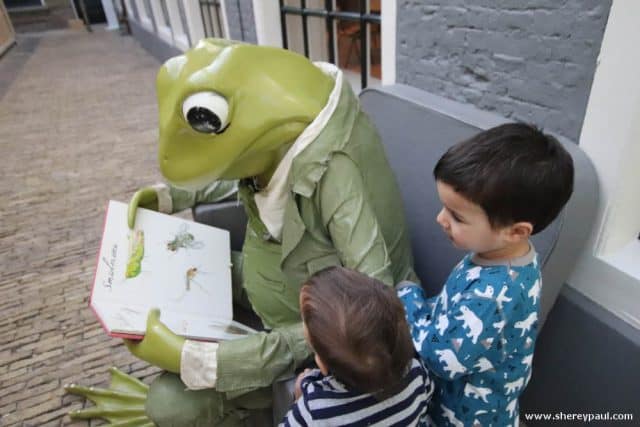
(211, 13)
(165, 13)
(147, 8)
(343, 32)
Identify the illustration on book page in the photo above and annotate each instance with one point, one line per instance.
(190, 278)
(184, 240)
(136, 253)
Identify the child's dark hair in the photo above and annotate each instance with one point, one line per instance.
(357, 326)
(514, 171)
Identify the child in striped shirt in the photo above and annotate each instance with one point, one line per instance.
(369, 373)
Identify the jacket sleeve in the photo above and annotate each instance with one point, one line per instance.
(464, 339)
(350, 220)
(259, 359)
(179, 199)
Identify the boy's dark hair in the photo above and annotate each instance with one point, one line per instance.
(357, 327)
(514, 171)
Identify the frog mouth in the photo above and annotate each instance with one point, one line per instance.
(285, 131)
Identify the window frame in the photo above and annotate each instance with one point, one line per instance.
(162, 30)
(612, 142)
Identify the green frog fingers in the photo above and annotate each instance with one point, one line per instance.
(144, 198)
(136, 422)
(122, 404)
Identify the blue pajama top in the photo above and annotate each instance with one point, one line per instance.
(477, 338)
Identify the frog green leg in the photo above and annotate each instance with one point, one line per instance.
(122, 404)
(169, 403)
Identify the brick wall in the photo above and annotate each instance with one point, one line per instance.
(529, 60)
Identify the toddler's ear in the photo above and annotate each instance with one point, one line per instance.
(520, 231)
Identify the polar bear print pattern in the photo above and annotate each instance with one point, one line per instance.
(404, 291)
(483, 364)
(456, 298)
(472, 322)
(527, 360)
(450, 416)
(444, 299)
(502, 297)
(534, 292)
(514, 386)
(423, 322)
(422, 335)
(477, 392)
(473, 273)
(442, 324)
(526, 324)
(488, 292)
(511, 407)
(450, 361)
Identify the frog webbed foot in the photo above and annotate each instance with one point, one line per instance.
(122, 404)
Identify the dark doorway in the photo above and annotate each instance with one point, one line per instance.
(16, 4)
(95, 12)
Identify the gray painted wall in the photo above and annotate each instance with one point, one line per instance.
(157, 47)
(241, 22)
(530, 60)
(586, 361)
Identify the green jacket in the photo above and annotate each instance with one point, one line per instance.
(344, 209)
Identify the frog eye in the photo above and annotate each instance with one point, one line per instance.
(206, 112)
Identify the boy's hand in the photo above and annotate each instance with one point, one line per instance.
(298, 389)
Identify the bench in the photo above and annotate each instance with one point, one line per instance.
(416, 128)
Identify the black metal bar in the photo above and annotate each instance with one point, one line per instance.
(328, 5)
(335, 14)
(85, 17)
(364, 73)
(364, 17)
(202, 14)
(283, 24)
(240, 19)
(165, 13)
(305, 29)
(216, 6)
(124, 17)
(213, 14)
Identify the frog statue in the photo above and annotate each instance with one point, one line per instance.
(289, 138)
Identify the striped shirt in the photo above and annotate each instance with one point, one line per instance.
(327, 402)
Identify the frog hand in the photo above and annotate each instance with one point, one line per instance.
(122, 404)
(160, 347)
(145, 198)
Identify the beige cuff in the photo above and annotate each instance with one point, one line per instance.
(165, 205)
(198, 365)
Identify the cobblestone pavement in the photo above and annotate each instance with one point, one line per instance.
(78, 127)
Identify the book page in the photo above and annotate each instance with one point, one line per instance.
(179, 266)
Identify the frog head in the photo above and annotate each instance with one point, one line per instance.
(230, 110)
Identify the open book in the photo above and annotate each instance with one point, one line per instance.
(179, 266)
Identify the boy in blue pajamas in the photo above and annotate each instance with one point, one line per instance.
(477, 337)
